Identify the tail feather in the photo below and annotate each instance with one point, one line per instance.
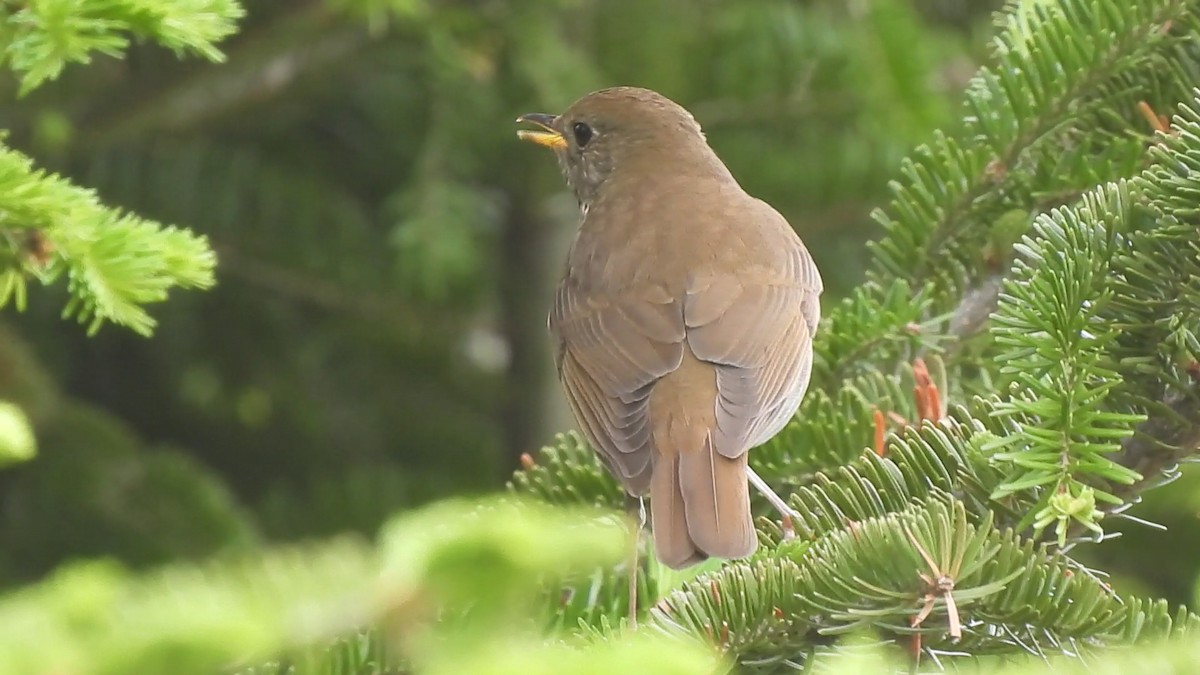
(699, 498)
(668, 520)
(699, 502)
(716, 501)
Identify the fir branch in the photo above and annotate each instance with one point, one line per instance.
(475, 567)
(1158, 305)
(1162, 657)
(568, 472)
(919, 462)
(871, 328)
(830, 430)
(1051, 76)
(97, 618)
(360, 654)
(1010, 594)
(115, 262)
(1160, 444)
(47, 35)
(1053, 340)
(292, 252)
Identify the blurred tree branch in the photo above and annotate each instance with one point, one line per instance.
(262, 66)
(412, 327)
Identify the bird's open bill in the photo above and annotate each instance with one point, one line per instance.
(547, 136)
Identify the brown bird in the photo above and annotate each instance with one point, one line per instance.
(685, 320)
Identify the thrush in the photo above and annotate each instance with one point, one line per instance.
(683, 325)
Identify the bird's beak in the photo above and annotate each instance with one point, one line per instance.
(547, 137)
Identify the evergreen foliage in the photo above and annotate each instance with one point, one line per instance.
(1027, 339)
(42, 37)
(114, 262)
(1091, 396)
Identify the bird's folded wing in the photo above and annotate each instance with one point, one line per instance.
(611, 350)
(757, 329)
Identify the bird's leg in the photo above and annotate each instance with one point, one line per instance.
(640, 523)
(786, 512)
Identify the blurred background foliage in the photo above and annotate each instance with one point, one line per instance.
(377, 336)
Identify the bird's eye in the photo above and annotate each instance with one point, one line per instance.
(583, 133)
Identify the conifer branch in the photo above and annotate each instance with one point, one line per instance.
(1054, 339)
(1049, 77)
(115, 263)
(1160, 305)
(1160, 444)
(782, 607)
(873, 327)
(44, 37)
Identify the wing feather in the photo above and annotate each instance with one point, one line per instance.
(759, 335)
(611, 351)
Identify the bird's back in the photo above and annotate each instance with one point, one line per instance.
(657, 234)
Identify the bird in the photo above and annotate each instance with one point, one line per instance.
(683, 324)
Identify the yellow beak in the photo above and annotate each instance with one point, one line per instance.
(547, 136)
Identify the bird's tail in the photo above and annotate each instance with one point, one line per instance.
(699, 499)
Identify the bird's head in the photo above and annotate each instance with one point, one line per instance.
(621, 131)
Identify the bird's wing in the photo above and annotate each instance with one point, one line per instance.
(756, 327)
(611, 349)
